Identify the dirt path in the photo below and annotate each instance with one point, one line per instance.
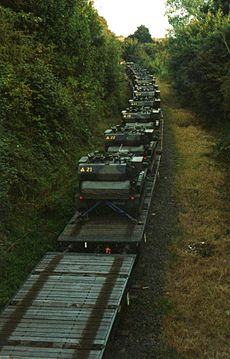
(142, 320)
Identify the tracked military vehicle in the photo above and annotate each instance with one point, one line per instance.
(114, 180)
(141, 102)
(146, 78)
(144, 82)
(143, 115)
(147, 94)
(138, 140)
(148, 126)
(153, 125)
(145, 88)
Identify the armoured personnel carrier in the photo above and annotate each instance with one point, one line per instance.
(145, 82)
(143, 115)
(116, 180)
(148, 126)
(139, 103)
(147, 94)
(144, 88)
(137, 140)
(144, 79)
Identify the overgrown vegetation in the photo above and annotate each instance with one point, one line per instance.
(147, 52)
(196, 322)
(60, 79)
(199, 62)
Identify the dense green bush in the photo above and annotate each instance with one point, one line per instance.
(147, 52)
(199, 57)
(59, 77)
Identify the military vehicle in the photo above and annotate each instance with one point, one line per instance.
(144, 88)
(136, 73)
(143, 77)
(144, 82)
(115, 180)
(143, 115)
(139, 103)
(148, 126)
(137, 140)
(140, 94)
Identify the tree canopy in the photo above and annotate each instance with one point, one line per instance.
(142, 35)
(150, 53)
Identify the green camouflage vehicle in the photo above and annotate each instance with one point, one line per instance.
(146, 80)
(137, 140)
(147, 94)
(146, 115)
(155, 126)
(112, 179)
(147, 126)
(141, 103)
(148, 87)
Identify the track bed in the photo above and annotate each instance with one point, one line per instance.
(67, 307)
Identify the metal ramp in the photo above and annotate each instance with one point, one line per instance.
(66, 308)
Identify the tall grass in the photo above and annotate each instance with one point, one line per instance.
(197, 282)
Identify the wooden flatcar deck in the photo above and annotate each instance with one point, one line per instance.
(66, 308)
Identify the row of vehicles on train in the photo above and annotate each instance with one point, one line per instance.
(116, 176)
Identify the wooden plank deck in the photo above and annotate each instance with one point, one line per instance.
(66, 308)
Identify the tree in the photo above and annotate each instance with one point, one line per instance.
(142, 35)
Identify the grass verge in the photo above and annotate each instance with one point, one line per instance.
(197, 288)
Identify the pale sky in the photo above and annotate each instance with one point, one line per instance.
(124, 16)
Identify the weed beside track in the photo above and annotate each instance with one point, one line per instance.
(197, 284)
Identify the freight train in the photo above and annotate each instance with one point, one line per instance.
(68, 306)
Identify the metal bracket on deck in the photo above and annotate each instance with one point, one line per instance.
(120, 211)
(91, 209)
(110, 205)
